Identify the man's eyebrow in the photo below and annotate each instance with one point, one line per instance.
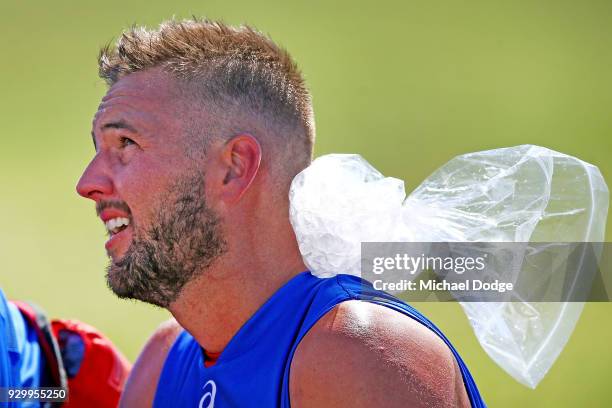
(120, 124)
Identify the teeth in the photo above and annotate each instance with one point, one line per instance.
(114, 224)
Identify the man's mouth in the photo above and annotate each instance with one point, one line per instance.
(120, 234)
(116, 225)
(119, 228)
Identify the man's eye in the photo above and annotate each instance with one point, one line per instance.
(126, 141)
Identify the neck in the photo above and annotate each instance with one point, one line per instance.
(214, 306)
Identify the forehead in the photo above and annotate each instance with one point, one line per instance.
(148, 97)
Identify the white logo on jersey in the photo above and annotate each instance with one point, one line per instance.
(210, 395)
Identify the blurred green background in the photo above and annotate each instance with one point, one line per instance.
(407, 84)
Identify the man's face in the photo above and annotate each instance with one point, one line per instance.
(148, 192)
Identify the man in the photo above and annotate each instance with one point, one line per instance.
(22, 363)
(197, 140)
(63, 354)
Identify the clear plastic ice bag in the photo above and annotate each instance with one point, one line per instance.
(518, 194)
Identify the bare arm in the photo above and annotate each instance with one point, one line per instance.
(141, 385)
(366, 355)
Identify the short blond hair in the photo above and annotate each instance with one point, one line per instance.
(234, 66)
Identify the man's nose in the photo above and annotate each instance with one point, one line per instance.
(95, 182)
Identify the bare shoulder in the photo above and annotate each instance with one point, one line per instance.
(140, 387)
(361, 354)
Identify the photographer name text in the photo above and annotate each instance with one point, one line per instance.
(434, 285)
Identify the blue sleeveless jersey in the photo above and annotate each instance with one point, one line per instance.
(21, 360)
(253, 369)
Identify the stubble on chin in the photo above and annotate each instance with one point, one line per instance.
(184, 241)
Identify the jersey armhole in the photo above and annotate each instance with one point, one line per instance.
(160, 395)
(349, 295)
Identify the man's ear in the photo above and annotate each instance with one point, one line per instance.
(240, 157)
